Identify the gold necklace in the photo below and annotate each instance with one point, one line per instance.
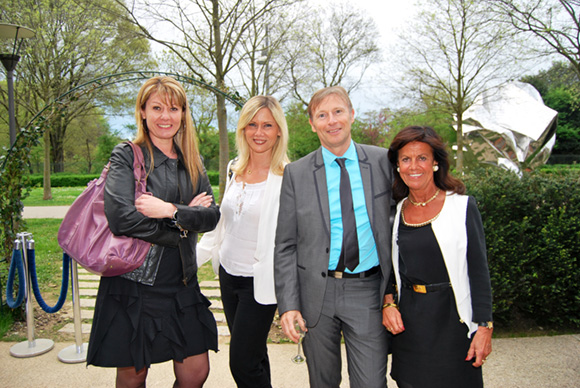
(426, 202)
(419, 224)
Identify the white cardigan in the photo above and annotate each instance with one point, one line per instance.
(451, 233)
(209, 245)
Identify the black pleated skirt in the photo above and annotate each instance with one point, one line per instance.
(139, 325)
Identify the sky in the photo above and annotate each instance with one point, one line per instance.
(388, 16)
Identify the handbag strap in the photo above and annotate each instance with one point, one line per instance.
(139, 166)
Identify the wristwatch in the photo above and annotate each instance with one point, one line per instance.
(488, 324)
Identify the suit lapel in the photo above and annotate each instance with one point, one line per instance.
(319, 173)
(366, 175)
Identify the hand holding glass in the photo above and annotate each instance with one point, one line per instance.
(299, 358)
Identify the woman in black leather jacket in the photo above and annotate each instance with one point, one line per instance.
(157, 313)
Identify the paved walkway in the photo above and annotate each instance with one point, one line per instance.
(540, 362)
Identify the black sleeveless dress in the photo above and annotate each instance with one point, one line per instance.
(431, 352)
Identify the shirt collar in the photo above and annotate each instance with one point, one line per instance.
(329, 157)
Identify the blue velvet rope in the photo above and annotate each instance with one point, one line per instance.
(34, 282)
(15, 264)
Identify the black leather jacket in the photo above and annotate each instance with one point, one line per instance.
(124, 219)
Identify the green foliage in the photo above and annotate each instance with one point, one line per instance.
(373, 128)
(302, 140)
(560, 90)
(105, 145)
(6, 320)
(532, 232)
(214, 178)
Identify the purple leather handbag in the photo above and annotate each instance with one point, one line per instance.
(85, 234)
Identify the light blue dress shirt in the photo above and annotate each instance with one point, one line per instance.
(368, 256)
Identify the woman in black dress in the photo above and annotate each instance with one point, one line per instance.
(442, 320)
(157, 313)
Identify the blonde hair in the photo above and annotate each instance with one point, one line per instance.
(321, 94)
(279, 152)
(185, 139)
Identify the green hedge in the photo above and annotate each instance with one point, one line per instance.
(214, 177)
(532, 228)
(74, 180)
(63, 180)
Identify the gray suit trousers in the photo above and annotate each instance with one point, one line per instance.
(351, 308)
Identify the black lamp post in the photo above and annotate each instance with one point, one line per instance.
(18, 33)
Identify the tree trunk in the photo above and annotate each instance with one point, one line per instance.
(222, 114)
(459, 154)
(224, 142)
(47, 194)
(57, 145)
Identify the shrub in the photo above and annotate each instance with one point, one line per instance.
(532, 233)
(63, 180)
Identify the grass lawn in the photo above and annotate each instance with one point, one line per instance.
(61, 196)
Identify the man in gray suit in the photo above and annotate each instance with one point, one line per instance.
(315, 277)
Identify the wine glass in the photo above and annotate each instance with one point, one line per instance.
(299, 358)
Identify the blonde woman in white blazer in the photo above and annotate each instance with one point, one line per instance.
(441, 320)
(242, 245)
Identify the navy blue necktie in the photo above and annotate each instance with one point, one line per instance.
(349, 255)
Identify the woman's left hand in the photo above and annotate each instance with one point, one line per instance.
(480, 346)
(202, 199)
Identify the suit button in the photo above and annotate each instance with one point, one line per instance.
(323, 274)
(327, 250)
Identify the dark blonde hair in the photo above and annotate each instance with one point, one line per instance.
(325, 92)
(279, 152)
(441, 177)
(185, 139)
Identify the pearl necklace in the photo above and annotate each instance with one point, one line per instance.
(426, 202)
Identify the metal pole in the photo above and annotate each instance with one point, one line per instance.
(10, 61)
(11, 113)
(78, 352)
(32, 347)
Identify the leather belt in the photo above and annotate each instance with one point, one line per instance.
(425, 288)
(360, 275)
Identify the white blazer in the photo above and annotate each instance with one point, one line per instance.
(451, 233)
(209, 245)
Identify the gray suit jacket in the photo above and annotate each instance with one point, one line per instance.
(303, 234)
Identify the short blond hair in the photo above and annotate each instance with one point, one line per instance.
(321, 94)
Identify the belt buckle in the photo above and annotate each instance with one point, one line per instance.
(337, 275)
(420, 288)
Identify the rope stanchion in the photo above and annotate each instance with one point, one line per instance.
(15, 265)
(78, 352)
(32, 347)
(35, 288)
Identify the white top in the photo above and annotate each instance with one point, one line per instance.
(240, 209)
(210, 244)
